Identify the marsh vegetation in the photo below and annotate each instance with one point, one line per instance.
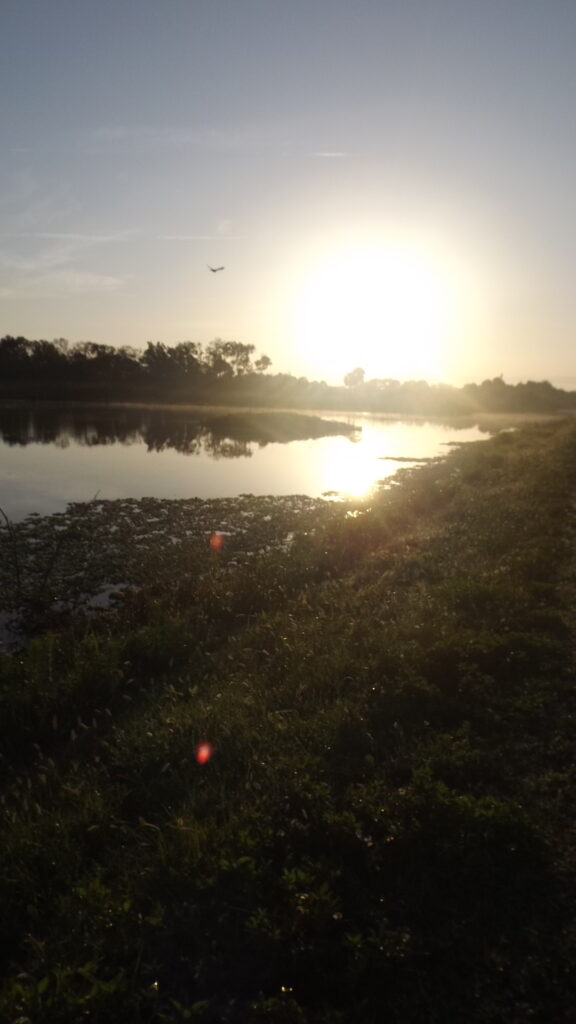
(384, 828)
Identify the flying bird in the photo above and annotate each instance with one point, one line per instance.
(215, 269)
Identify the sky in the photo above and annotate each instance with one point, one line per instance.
(388, 183)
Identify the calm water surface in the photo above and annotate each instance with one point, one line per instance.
(50, 457)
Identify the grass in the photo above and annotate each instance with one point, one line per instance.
(385, 828)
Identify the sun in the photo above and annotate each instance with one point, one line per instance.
(388, 308)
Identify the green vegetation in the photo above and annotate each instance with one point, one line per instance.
(385, 829)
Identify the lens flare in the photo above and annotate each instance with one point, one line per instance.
(203, 752)
(216, 541)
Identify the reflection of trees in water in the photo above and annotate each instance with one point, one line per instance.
(21, 426)
(160, 431)
(225, 435)
(227, 449)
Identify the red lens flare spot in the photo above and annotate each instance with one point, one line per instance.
(203, 752)
(216, 541)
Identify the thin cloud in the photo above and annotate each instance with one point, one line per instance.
(72, 236)
(51, 207)
(28, 205)
(62, 249)
(46, 264)
(71, 282)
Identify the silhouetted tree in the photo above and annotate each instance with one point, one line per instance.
(263, 363)
(218, 364)
(230, 357)
(355, 377)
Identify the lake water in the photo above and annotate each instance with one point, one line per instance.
(50, 457)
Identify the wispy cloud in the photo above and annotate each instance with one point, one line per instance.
(46, 263)
(28, 204)
(56, 249)
(41, 208)
(68, 235)
(218, 234)
(59, 283)
(74, 282)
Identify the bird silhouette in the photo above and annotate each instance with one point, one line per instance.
(215, 269)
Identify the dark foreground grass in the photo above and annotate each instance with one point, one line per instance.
(385, 830)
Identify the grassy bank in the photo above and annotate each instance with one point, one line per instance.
(384, 831)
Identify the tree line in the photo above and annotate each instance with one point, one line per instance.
(492, 395)
(100, 368)
(230, 373)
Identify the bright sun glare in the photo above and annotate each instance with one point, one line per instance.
(390, 309)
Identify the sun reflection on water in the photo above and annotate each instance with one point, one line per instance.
(353, 469)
